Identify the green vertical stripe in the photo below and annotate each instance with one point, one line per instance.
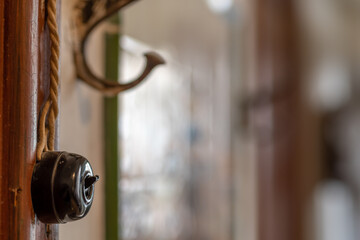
(111, 138)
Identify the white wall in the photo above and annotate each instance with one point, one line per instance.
(81, 126)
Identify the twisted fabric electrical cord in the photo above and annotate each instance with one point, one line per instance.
(50, 110)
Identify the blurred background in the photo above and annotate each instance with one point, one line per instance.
(250, 131)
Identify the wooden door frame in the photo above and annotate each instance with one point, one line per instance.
(24, 72)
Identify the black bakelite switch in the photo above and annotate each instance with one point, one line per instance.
(62, 187)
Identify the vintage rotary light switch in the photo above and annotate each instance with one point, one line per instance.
(62, 187)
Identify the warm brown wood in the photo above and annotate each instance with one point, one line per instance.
(275, 114)
(24, 71)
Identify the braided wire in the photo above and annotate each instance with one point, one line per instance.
(50, 111)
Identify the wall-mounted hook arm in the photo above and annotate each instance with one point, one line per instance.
(92, 13)
(112, 88)
(96, 11)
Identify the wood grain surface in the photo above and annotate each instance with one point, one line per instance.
(24, 72)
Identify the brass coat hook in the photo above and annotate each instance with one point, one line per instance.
(89, 14)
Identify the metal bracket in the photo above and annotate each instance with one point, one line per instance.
(89, 14)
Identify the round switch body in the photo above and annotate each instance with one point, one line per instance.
(62, 187)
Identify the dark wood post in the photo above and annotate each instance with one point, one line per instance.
(24, 80)
(275, 116)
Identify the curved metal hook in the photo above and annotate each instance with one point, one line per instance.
(86, 22)
(110, 87)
